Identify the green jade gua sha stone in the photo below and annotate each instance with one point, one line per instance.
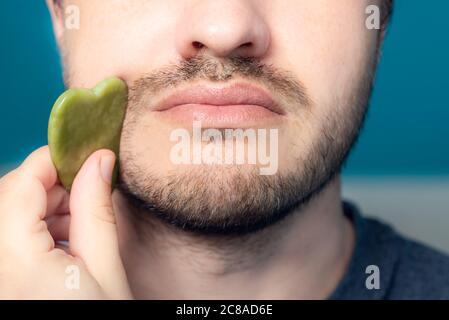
(83, 121)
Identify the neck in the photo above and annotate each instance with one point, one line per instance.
(304, 256)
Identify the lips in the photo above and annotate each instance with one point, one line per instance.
(238, 105)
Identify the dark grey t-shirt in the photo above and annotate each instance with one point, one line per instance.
(386, 265)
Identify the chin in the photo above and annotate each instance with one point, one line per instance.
(208, 199)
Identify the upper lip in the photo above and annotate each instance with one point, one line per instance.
(236, 94)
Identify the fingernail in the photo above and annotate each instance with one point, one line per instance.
(107, 163)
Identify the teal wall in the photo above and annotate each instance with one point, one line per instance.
(406, 133)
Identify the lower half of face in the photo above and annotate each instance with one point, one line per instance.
(242, 176)
(231, 145)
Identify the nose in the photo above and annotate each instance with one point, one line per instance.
(222, 28)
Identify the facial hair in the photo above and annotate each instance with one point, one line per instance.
(237, 200)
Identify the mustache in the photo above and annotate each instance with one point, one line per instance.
(212, 69)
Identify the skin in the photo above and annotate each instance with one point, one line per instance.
(321, 42)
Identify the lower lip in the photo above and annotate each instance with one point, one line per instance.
(212, 116)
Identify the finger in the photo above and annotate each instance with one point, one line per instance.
(40, 166)
(57, 201)
(93, 230)
(59, 226)
(23, 203)
(23, 191)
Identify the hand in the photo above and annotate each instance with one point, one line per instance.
(34, 213)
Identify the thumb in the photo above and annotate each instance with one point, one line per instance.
(93, 231)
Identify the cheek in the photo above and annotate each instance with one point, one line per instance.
(340, 68)
(146, 143)
(137, 40)
(330, 52)
(329, 49)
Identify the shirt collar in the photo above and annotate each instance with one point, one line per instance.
(376, 244)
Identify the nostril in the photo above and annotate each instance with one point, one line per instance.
(247, 45)
(197, 45)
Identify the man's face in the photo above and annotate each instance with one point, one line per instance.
(314, 60)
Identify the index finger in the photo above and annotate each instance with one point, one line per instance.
(23, 192)
(23, 202)
(40, 166)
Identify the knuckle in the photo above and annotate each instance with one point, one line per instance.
(7, 181)
(22, 189)
(18, 181)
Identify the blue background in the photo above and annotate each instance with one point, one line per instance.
(407, 129)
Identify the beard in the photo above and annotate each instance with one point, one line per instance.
(237, 200)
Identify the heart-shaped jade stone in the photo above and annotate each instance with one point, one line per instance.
(83, 121)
